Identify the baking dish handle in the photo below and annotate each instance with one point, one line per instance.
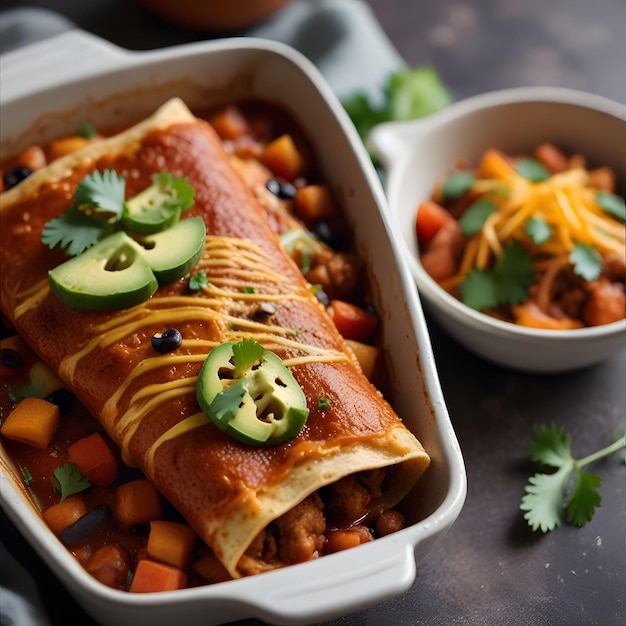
(390, 141)
(341, 583)
(73, 53)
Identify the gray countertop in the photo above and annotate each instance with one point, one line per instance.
(490, 569)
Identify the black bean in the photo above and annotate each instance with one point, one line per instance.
(324, 231)
(322, 296)
(10, 178)
(281, 188)
(63, 398)
(10, 358)
(82, 528)
(168, 341)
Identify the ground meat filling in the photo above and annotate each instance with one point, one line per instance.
(334, 518)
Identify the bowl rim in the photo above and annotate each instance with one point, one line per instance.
(427, 286)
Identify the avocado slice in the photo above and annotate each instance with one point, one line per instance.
(112, 274)
(175, 251)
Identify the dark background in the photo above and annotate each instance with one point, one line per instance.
(490, 569)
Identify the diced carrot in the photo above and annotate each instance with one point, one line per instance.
(151, 576)
(33, 421)
(338, 540)
(494, 165)
(137, 502)
(315, 202)
(32, 157)
(211, 569)
(60, 516)
(94, 459)
(602, 178)
(229, 123)
(366, 355)
(283, 158)
(430, 217)
(171, 542)
(352, 321)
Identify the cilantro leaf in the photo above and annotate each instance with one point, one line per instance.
(100, 192)
(479, 290)
(245, 354)
(68, 480)
(583, 499)
(514, 274)
(74, 231)
(19, 392)
(586, 261)
(475, 215)
(538, 230)
(86, 130)
(568, 490)
(532, 170)
(612, 204)
(198, 281)
(543, 501)
(457, 184)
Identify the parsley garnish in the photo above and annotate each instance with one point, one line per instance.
(69, 480)
(506, 283)
(568, 490)
(86, 130)
(198, 281)
(586, 261)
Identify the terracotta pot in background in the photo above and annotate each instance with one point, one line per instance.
(214, 15)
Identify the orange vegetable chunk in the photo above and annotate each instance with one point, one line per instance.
(211, 569)
(33, 421)
(94, 459)
(151, 576)
(60, 516)
(137, 502)
(315, 202)
(283, 158)
(430, 217)
(171, 542)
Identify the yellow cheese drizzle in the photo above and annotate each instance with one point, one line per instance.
(231, 265)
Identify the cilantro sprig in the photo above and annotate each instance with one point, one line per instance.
(245, 354)
(98, 208)
(567, 492)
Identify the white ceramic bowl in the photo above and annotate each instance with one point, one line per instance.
(417, 153)
(50, 87)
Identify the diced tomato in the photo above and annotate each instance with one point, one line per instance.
(429, 220)
(352, 321)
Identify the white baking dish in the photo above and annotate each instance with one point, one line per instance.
(50, 87)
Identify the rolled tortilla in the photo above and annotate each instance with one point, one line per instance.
(146, 401)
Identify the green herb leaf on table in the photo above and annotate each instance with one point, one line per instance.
(475, 216)
(68, 480)
(569, 491)
(532, 170)
(538, 230)
(612, 204)
(586, 261)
